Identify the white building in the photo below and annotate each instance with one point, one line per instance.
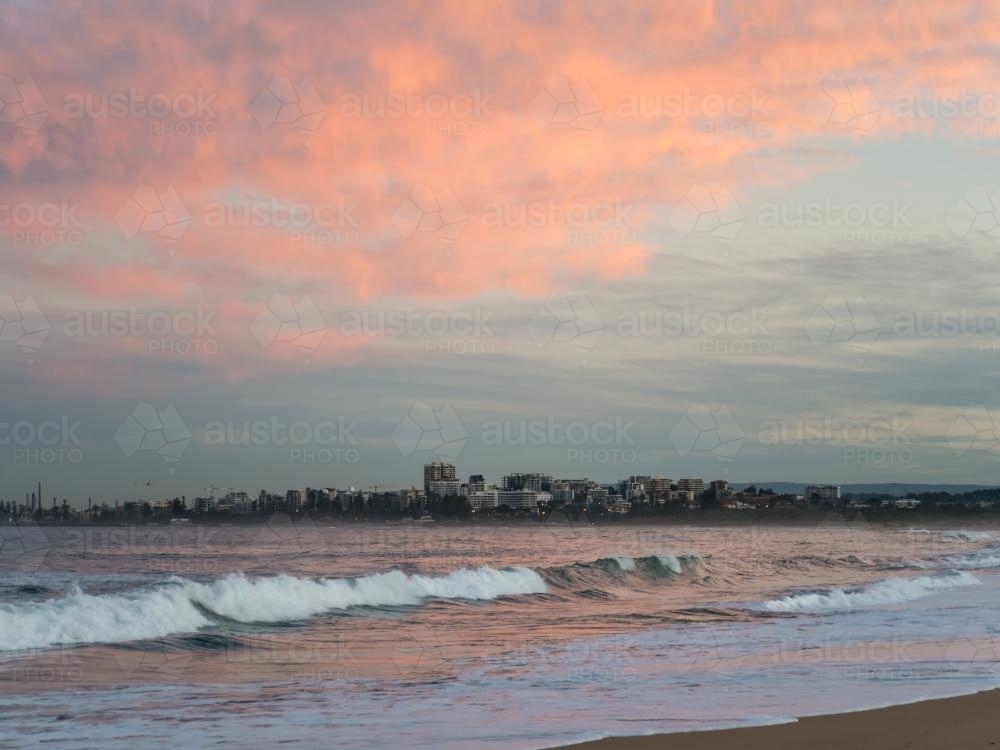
(691, 484)
(522, 498)
(484, 499)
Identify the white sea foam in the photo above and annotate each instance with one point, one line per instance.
(82, 618)
(184, 606)
(888, 591)
(625, 563)
(670, 562)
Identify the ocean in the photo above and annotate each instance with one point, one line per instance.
(310, 634)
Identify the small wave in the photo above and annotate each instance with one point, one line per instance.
(958, 535)
(971, 562)
(888, 591)
(183, 606)
(625, 563)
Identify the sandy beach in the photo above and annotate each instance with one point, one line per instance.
(965, 722)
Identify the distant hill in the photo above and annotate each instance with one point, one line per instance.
(895, 489)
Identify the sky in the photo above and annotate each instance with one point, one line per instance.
(273, 245)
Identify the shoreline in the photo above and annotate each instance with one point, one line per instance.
(965, 721)
(799, 517)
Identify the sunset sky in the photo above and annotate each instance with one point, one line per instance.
(724, 239)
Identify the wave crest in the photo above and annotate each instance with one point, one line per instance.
(184, 606)
(888, 591)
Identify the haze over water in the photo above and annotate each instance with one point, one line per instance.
(519, 636)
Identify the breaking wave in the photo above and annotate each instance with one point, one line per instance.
(180, 606)
(888, 591)
(183, 606)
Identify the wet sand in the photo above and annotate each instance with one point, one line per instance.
(971, 721)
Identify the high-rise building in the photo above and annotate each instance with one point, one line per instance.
(533, 482)
(691, 484)
(660, 488)
(438, 471)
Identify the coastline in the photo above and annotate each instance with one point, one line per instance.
(967, 721)
(715, 518)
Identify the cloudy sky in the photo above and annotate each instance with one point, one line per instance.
(277, 245)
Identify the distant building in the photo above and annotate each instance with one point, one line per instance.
(438, 471)
(598, 495)
(824, 494)
(522, 498)
(721, 491)
(691, 484)
(659, 488)
(536, 482)
(295, 500)
(484, 499)
(445, 487)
